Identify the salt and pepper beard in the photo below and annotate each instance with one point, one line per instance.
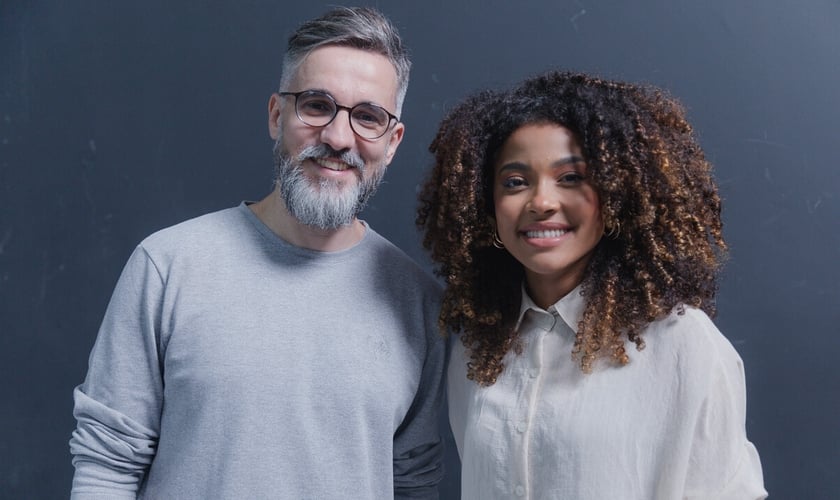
(330, 204)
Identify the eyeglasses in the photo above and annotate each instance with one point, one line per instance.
(319, 109)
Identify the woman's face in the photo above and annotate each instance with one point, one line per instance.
(547, 214)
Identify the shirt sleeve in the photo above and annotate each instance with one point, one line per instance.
(418, 448)
(724, 464)
(118, 406)
(457, 393)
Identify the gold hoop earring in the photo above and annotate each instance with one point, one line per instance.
(497, 242)
(614, 231)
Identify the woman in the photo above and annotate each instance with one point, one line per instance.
(573, 217)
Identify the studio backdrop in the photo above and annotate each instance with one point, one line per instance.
(120, 118)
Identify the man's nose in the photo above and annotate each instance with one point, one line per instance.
(338, 133)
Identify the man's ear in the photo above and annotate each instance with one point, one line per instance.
(394, 140)
(274, 103)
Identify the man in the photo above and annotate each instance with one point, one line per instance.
(279, 349)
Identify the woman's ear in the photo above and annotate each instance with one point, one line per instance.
(496, 241)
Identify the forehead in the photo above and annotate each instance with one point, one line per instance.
(350, 75)
(539, 142)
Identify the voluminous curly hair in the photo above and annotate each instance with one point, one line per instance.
(663, 243)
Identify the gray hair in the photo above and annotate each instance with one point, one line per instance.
(362, 28)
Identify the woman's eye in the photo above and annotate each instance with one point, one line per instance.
(570, 179)
(513, 182)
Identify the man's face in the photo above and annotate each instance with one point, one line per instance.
(326, 174)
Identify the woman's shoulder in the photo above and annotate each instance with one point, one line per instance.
(689, 334)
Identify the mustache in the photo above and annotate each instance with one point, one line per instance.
(326, 151)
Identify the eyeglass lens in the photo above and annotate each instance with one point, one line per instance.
(318, 109)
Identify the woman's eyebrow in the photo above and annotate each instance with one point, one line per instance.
(517, 166)
(569, 160)
(514, 166)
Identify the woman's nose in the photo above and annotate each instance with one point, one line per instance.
(546, 199)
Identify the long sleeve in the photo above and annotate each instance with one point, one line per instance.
(233, 365)
(118, 406)
(418, 449)
(723, 464)
(459, 391)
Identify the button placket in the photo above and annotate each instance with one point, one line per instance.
(538, 325)
(518, 423)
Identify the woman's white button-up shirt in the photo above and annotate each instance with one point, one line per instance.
(669, 425)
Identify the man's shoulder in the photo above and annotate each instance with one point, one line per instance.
(199, 230)
(392, 259)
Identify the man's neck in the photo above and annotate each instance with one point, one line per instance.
(273, 213)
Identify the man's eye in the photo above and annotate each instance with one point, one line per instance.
(317, 107)
(369, 117)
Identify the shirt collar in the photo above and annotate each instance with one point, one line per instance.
(569, 308)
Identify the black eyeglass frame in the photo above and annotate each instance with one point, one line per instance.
(338, 107)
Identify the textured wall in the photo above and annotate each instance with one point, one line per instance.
(117, 119)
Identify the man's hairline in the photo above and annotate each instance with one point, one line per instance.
(290, 73)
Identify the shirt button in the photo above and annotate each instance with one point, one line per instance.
(520, 427)
(520, 491)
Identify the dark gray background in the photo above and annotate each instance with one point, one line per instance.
(120, 118)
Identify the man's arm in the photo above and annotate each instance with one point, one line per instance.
(418, 448)
(118, 406)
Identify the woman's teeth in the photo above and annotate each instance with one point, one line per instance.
(552, 233)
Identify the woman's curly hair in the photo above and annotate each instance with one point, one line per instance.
(663, 243)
